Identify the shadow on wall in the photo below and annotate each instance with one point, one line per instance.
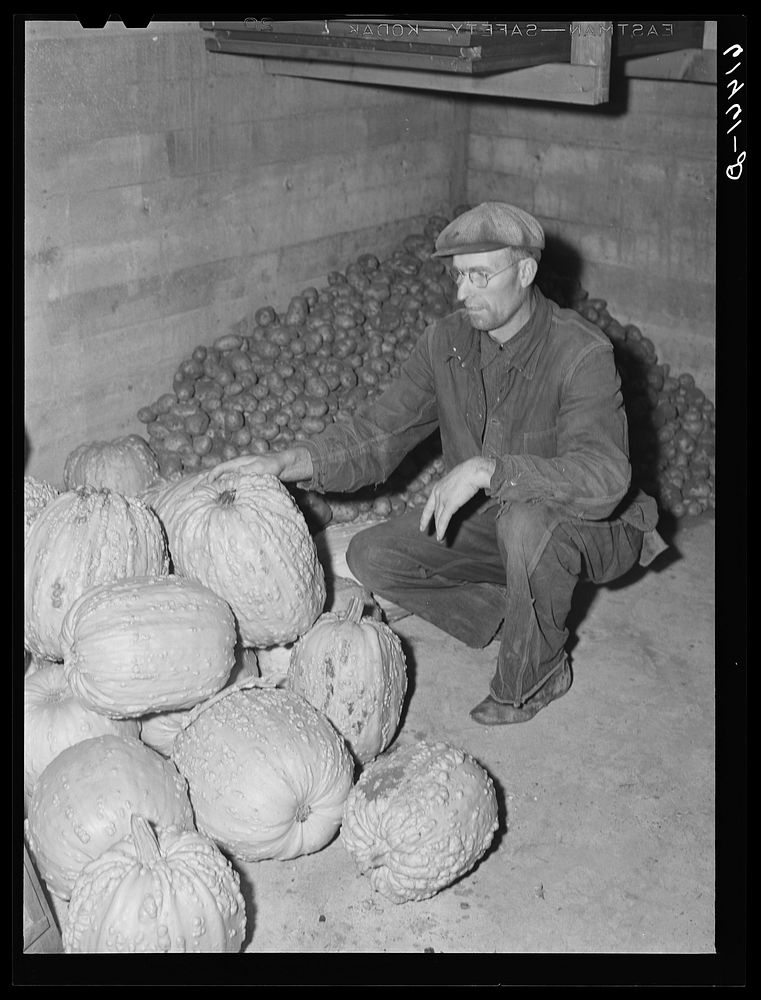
(560, 268)
(27, 449)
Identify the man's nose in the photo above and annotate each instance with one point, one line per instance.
(462, 293)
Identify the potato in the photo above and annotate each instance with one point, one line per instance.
(176, 441)
(267, 431)
(313, 425)
(265, 316)
(197, 423)
(228, 342)
(202, 444)
(164, 403)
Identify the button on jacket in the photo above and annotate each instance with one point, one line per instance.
(547, 407)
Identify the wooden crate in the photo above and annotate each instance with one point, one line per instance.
(41, 933)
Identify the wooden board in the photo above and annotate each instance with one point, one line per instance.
(506, 46)
(561, 83)
(689, 65)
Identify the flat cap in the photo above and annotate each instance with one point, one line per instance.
(492, 225)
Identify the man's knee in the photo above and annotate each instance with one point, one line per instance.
(523, 526)
(370, 556)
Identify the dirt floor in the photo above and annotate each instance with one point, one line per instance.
(606, 842)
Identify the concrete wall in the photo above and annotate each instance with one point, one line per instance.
(169, 191)
(627, 194)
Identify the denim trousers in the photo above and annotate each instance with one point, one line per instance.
(516, 565)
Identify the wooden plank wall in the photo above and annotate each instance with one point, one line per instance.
(627, 195)
(170, 191)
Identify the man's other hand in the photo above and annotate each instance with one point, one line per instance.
(454, 490)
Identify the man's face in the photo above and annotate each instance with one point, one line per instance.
(506, 293)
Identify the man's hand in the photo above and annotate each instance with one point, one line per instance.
(454, 490)
(290, 465)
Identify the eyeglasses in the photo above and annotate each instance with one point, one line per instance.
(479, 279)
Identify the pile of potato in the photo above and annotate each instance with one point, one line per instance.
(672, 423)
(278, 378)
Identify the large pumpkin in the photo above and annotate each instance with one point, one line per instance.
(244, 537)
(55, 719)
(147, 644)
(419, 817)
(353, 669)
(126, 465)
(268, 774)
(83, 800)
(175, 892)
(37, 495)
(83, 538)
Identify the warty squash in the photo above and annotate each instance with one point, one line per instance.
(352, 668)
(126, 465)
(83, 538)
(147, 644)
(37, 495)
(244, 537)
(54, 719)
(156, 893)
(268, 774)
(83, 800)
(419, 817)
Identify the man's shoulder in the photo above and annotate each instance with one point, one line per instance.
(568, 327)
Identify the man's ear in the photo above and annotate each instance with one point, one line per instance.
(527, 269)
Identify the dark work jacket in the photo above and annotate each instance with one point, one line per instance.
(556, 430)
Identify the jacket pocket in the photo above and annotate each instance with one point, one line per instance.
(543, 444)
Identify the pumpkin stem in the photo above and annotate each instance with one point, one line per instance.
(144, 839)
(226, 498)
(354, 611)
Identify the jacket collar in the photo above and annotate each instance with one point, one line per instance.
(463, 341)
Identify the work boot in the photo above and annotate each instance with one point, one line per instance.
(490, 712)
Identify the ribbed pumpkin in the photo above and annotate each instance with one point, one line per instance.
(83, 538)
(37, 495)
(268, 774)
(352, 669)
(419, 817)
(244, 537)
(147, 644)
(126, 465)
(55, 719)
(175, 892)
(83, 800)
